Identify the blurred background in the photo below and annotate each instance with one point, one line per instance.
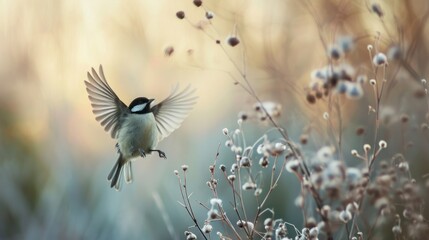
(54, 155)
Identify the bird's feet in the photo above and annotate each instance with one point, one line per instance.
(160, 153)
(142, 153)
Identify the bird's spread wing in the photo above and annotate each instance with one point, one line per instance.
(171, 112)
(106, 106)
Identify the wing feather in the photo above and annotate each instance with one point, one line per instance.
(170, 113)
(106, 105)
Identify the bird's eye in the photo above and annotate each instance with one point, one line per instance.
(138, 107)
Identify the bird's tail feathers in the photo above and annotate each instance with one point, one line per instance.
(115, 174)
(128, 172)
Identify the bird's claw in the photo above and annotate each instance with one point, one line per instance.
(142, 153)
(162, 154)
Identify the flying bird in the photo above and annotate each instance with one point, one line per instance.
(139, 127)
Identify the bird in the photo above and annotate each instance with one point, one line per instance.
(138, 127)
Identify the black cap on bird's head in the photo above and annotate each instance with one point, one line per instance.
(140, 105)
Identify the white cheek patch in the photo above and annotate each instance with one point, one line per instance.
(139, 107)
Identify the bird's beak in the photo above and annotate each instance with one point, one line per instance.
(151, 100)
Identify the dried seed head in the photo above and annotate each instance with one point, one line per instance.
(346, 43)
(222, 168)
(334, 52)
(184, 167)
(379, 59)
(225, 131)
(360, 131)
(342, 87)
(243, 116)
(242, 224)
(231, 178)
(404, 118)
(314, 232)
(383, 165)
(353, 176)
(232, 41)
(325, 153)
(394, 53)
(384, 180)
(403, 166)
(311, 98)
(190, 235)
(281, 231)
(317, 74)
(245, 162)
(376, 8)
(326, 115)
(382, 144)
(292, 166)
(397, 230)
(234, 167)
(263, 162)
(212, 214)
(361, 79)
(354, 152)
(305, 231)
(366, 147)
(176, 172)
(278, 148)
(209, 15)
(207, 228)
(372, 82)
(216, 201)
(238, 150)
(258, 192)
(321, 225)
(212, 184)
(352, 207)
(168, 51)
(299, 201)
(218, 41)
(369, 47)
(381, 203)
(268, 222)
(180, 14)
(407, 213)
(325, 211)
(249, 185)
(345, 216)
(198, 3)
(311, 223)
(354, 91)
(316, 179)
(237, 131)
